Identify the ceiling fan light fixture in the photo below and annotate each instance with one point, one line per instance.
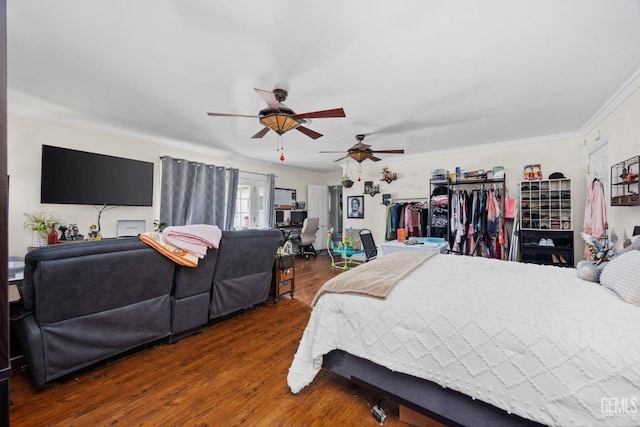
(279, 121)
(359, 156)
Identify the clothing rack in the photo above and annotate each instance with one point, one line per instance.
(440, 218)
(413, 199)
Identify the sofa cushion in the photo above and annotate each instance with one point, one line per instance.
(77, 279)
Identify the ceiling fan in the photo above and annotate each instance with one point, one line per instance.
(361, 151)
(280, 118)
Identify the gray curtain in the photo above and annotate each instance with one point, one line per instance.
(269, 201)
(192, 193)
(232, 194)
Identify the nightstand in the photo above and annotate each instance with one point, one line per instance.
(283, 276)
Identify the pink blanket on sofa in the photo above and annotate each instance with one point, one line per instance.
(194, 238)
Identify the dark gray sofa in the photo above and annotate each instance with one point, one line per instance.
(90, 301)
(243, 274)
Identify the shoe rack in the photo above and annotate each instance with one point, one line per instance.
(546, 222)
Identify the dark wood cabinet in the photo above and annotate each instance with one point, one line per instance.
(283, 278)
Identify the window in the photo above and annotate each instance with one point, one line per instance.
(250, 209)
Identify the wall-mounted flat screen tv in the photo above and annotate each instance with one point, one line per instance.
(83, 178)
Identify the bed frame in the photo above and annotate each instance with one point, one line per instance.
(444, 405)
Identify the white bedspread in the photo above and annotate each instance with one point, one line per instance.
(533, 340)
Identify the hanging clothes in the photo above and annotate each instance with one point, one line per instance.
(412, 216)
(595, 214)
(476, 223)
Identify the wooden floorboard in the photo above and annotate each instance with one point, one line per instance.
(234, 373)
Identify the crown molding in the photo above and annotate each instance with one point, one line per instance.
(625, 91)
(499, 145)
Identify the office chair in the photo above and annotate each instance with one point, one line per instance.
(368, 244)
(308, 236)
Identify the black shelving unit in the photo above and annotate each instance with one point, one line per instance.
(546, 222)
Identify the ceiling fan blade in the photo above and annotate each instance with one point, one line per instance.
(310, 133)
(341, 158)
(330, 152)
(374, 158)
(388, 151)
(260, 134)
(336, 112)
(269, 98)
(230, 115)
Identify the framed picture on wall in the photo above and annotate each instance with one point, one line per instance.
(355, 207)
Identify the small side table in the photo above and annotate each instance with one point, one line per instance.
(283, 277)
(15, 311)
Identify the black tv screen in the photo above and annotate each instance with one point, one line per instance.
(82, 178)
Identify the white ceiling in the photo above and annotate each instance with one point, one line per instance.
(423, 75)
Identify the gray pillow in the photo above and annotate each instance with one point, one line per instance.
(589, 271)
(622, 275)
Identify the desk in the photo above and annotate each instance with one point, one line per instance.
(289, 233)
(394, 246)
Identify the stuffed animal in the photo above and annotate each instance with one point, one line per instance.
(591, 272)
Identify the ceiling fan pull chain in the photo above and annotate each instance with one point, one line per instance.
(281, 147)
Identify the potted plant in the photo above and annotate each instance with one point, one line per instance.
(388, 176)
(41, 223)
(347, 182)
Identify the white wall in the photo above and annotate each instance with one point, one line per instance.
(622, 127)
(566, 155)
(560, 155)
(26, 136)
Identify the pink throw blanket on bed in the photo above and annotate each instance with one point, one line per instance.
(194, 238)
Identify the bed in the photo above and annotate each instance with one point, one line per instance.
(474, 341)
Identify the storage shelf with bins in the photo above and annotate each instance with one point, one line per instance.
(283, 277)
(546, 222)
(625, 183)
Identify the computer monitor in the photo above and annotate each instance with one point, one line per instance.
(298, 217)
(279, 217)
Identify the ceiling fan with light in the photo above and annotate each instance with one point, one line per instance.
(280, 118)
(361, 151)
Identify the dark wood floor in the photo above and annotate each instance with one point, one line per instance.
(234, 373)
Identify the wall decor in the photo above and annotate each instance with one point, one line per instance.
(388, 176)
(355, 207)
(371, 189)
